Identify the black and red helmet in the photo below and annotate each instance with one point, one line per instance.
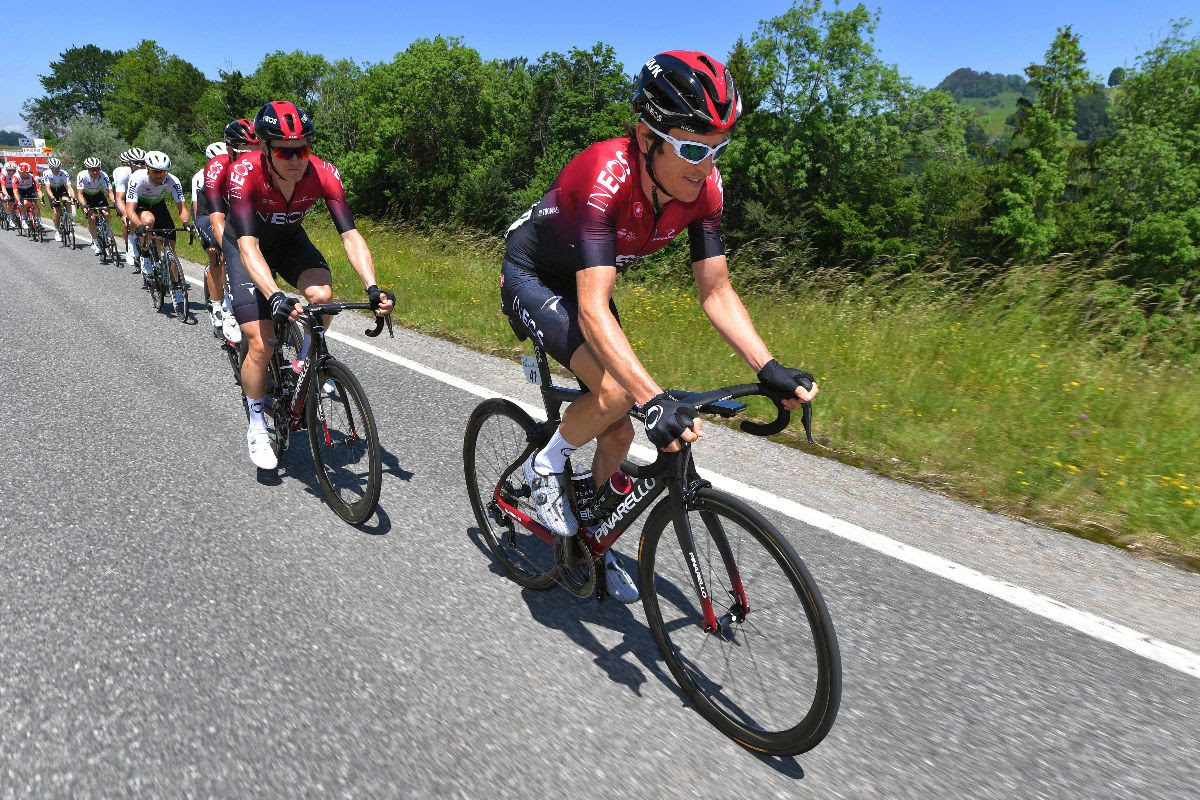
(240, 132)
(689, 90)
(280, 120)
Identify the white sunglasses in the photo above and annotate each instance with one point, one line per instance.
(689, 151)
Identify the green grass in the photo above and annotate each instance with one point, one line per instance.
(994, 111)
(992, 396)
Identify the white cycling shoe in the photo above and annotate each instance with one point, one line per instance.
(620, 585)
(259, 444)
(549, 495)
(230, 329)
(95, 248)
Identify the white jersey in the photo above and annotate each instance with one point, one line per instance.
(141, 190)
(120, 179)
(86, 184)
(56, 180)
(197, 186)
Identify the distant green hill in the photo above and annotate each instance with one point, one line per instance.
(993, 111)
(8, 139)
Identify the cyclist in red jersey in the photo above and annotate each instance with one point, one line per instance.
(616, 202)
(269, 193)
(239, 139)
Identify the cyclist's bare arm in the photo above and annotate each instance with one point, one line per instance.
(217, 220)
(725, 310)
(594, 288)
(184, 218)
(363, 263)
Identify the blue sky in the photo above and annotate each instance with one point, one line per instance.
(926, 39)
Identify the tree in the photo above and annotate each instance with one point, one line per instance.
(91, 136)
(149, 83)
(79, 83)
(1092, 120)
(186, 157)
(1116, 77)
(294, 76)
(1062, 78)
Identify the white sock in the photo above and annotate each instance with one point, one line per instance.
(256, 413)
(554, 455)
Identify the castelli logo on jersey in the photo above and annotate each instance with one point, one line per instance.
(609, 181)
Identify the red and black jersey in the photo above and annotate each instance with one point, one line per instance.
(596, 214)
(256, 207)
(215, 172)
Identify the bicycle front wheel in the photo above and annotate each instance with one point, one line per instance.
(770, 676)
(496, 442)
(179, 285)
(345, 441)
(158, 289)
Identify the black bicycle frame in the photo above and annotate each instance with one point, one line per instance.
(672, 472)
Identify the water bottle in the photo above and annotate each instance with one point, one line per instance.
(612, 492)
(584, 489)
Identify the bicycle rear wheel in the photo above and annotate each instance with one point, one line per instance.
(770, 676)
(345, 442)
(496, 442)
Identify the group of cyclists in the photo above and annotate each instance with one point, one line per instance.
(618, 201)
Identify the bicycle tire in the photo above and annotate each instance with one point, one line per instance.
(797, 695)
(497, 437)
(158, 293)
(342, 432)
(180, 285)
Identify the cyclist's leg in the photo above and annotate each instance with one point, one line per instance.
(302, 265)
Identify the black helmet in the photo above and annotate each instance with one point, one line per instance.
(240, 132)
(689, 90)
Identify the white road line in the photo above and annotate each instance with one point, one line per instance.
(1084, 622)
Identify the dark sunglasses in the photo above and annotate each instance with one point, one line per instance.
(157, 171)
(288, 153)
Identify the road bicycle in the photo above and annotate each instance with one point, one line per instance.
(66, 222)
(734, 611)
(167, 279)
(31, 219)
(104, 235)
(309, 388)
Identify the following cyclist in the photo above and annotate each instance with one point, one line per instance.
(95, 194)
(26, 186)
(146, 203)
(8, 193)
(56, 185)
(132, 160)
(269, 193)
(215, 275)
(617, 202)
(239, 138)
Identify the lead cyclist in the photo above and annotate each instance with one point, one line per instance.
(617, 202)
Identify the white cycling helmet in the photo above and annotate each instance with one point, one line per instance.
(156, 159)
(136, 154)
(11, 166)
(53, 163)
(216, 149)
(91, 162)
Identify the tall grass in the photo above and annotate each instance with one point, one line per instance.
(1001, 390)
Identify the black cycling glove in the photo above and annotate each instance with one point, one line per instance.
(376, 295)
(783, 379)
(666, 419)
(281, 307)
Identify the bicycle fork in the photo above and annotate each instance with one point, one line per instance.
(682, 494)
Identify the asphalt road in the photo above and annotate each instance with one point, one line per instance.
(171, 626)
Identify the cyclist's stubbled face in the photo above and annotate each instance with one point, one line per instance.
(681, 179)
